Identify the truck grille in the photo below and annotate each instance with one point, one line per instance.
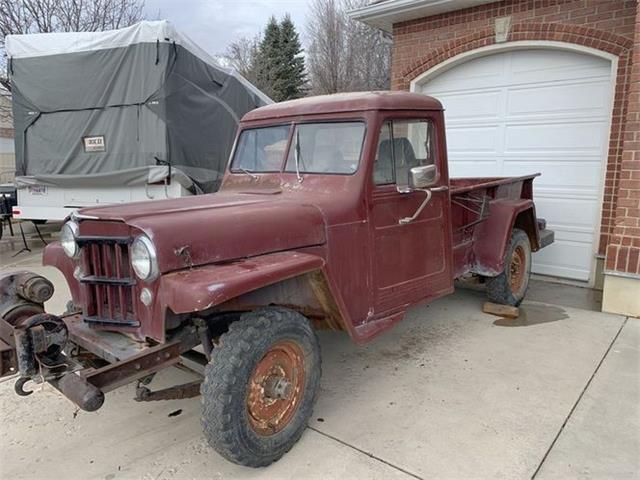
(108, 281)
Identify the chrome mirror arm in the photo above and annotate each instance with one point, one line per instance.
(404, 221)
(428, 191)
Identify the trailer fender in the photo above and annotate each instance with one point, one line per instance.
(491, 237)
(202, 288)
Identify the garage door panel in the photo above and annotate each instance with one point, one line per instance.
(487, 74)
(568, 260)
(574, 234)
(466, 139)
(570, 219)
(583, 177)
(471, 168)
(558, 138)
(484, 105)
(558, 101)
(544, 66)
(567, 158)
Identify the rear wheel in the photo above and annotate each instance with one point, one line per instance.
(510, 286)
(260, 386)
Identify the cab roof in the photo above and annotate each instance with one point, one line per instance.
(345, 102)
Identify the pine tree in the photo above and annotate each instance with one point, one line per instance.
(269, 59)
(280, 64)
(291, 79)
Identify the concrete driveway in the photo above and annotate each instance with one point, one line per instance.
(449, 393)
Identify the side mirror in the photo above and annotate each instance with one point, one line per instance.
(424, 176)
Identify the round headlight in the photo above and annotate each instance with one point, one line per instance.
(68, 236)
(143, 258)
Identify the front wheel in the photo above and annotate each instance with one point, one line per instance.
(510, 286)
(260, 386)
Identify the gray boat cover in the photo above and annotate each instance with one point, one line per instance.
(108, 108)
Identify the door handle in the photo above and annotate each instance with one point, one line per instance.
(442, 188)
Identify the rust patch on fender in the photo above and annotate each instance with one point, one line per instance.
(321, 290)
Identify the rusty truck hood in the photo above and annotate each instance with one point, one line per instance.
(218, 227)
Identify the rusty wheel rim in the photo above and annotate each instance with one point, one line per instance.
(276, 387)
(517, 269)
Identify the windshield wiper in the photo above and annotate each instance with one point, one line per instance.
(296, 155)
(248, 172)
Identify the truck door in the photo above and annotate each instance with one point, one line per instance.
(411, 261)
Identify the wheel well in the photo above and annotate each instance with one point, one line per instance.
(526, 221)
(307, 294)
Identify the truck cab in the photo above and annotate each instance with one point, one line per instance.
(336, 212)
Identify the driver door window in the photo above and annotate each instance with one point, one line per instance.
(403, 144)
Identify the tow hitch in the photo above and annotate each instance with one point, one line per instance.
(81, 363)
(33, 342)
(39, 342)
(22, 296)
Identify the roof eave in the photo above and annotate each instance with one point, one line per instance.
(384, 14)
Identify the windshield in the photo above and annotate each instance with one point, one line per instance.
(326, 147)
(329, 147)
(261, 149)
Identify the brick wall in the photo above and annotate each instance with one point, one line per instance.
(607, 25)
(623, 252)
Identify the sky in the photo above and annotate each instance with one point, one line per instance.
(214, 24)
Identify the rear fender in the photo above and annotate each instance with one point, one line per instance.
(203, 288)
(491, 237)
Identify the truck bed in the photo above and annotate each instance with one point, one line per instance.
(458, 186)
(479, 206)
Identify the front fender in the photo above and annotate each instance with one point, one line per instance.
(54, 256)
(201, 288)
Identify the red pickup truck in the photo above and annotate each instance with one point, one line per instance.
(336, 212)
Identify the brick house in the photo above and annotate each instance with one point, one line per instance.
(539, 85)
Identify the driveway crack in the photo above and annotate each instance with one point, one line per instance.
(577, 402)
(368, 454)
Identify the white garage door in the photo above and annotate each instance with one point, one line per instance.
(530, 111)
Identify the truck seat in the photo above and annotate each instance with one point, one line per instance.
(405, 159)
